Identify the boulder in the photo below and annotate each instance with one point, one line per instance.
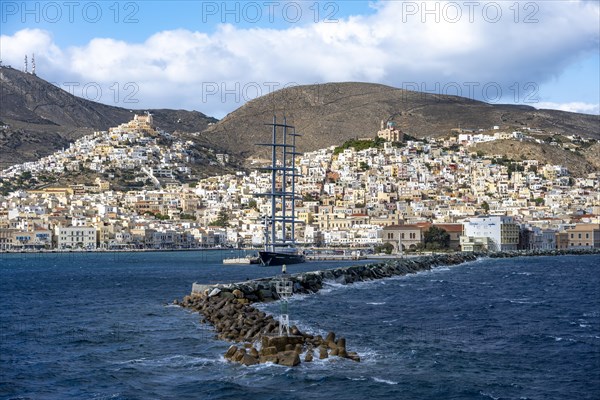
(214, 292)
(239, 354)
(323, 352)
(227, 295)
(272, 358)
(280, 342)
(330, 337)
(231, 352)
(353, 356)
(308, 357)
(247, 359)
(268, 351)
(265, 294)
(238, 294)
(288, 358)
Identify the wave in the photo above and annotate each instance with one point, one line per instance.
(386, 381)
(375, 303)
(178, 360)
(488, 395)
(560, 339)
(360, 378)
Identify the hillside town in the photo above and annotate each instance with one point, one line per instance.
(389, 192)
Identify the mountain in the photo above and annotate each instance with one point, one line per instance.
(38, 118)
(329, 114)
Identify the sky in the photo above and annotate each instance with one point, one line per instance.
(214, 56)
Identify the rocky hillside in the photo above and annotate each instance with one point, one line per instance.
(331, 113)
(38, 118)
(579, 164)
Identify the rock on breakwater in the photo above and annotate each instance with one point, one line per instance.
(237, 321)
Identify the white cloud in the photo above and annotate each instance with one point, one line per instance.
(215, 73)
(577, 107)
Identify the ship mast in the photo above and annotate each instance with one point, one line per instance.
(281, 170)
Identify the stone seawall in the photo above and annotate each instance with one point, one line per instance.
(263, 290)
(228, 306)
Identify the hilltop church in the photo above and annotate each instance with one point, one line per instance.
(390, 132)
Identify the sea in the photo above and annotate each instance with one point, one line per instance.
(102, 326)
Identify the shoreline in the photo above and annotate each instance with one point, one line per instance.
(374, 257)
(57, 251)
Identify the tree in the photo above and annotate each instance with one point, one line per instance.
(384, 248)
(485, 206)
(308, 197)
(436, 238)
(252, 204)
(222, 219)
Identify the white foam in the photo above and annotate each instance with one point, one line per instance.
(376, 304)
(360, 378)
(174, 360)
(489, 395)
(384, 381)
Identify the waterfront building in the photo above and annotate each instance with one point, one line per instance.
(502, 231)
(472, 243)
(75, 237)
(584, 236)
(410, 235)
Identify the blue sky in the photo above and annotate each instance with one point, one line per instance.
(213, 56)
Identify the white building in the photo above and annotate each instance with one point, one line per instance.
(75, 237)
(502, 231)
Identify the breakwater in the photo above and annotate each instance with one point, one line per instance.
(228, 307)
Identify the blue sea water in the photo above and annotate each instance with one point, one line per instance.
(99, 326)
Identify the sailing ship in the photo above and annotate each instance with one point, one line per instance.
(280, 232)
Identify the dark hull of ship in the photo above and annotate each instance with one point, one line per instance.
(270, 258)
